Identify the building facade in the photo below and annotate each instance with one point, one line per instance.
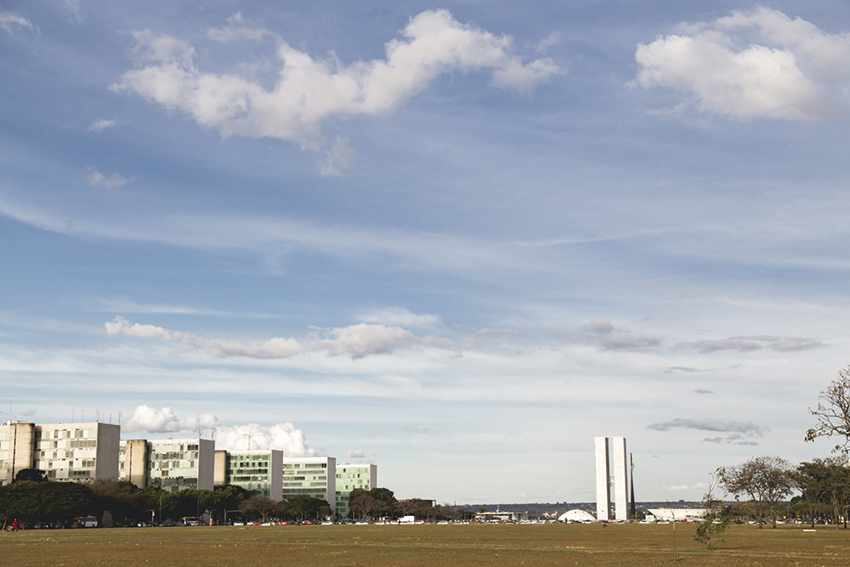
(260, 472)
(310, 476)
(170, 464)
(67, 452)
(611, 454)
(351, 477)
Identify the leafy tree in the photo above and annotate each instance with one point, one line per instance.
(34, 475)
(716, 520)
(258, 506)
(57, 502)
(813, 481)
(121, 498)
(766, 480)
(304, 508)
(833, 411)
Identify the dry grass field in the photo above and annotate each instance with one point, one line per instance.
(385, 546)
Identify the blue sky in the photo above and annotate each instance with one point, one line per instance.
(457, 240)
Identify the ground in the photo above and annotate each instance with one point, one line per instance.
(421, 545)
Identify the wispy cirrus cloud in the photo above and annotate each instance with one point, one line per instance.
(600, 333)
(752, 343)
(11, 21)
(101, 124)
(736, 432)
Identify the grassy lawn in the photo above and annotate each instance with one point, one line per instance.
(529, 545)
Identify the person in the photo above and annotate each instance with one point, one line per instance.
(15, 525)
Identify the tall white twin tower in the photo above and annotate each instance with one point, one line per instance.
(611, 453)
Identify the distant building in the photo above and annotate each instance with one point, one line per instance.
(679, 514)
(607, 459)
(170, 464)
(67, 452)
(351, 477)
(260, 471)
(310, 476)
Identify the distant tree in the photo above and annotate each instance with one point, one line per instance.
(766, 480)
(34, 475)
(120, 498)
(257, 506)
(813, 481)
(58, 502)
(304, 508)
(833, 411)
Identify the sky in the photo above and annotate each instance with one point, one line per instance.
(458, 240)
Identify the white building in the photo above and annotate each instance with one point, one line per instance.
(78, 452)
(310, 476)
(607, 459)
(351, 477)
(171, 464)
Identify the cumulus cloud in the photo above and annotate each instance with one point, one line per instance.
(752, 64)
(164, 420)
(237, 29)
(114, 181)
(311, 90)
(736, 432)
(10, 21)
(752, 343)
(100, 125)
(281, 436)
(554, 38)
(356, 341)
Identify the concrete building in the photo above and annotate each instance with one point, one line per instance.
(310, 476)
(351, 477)
(65, 451)
(260, 472)
(171, 464)
(611, 454)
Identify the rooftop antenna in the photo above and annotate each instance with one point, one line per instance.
(119, 419)
(72, 415)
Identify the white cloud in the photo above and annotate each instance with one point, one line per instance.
(164, 421)
(339, 157)
(101, 124)
(281, 436)
(401, 317)
(309, 90)
(752, 343)
(355, 341)
(238, 29)
(11, 21)
(553, 38)
(75, 7)
(752, 64)
(114, 181)
(355, 454)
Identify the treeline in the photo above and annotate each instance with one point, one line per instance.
(31, 499)
(381, 503)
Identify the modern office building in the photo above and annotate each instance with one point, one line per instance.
(171, 464)
(350, 477)
(611, 454)
(310, 476)
(260, 471)
(65, 451)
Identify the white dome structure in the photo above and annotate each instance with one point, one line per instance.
(577, 516)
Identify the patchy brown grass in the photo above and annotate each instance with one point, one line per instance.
(422, 545)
